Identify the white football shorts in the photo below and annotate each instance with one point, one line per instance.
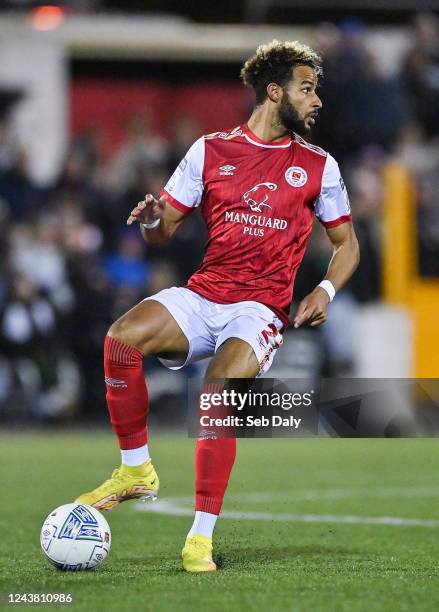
(207, 325)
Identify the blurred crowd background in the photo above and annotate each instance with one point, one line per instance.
(70, 266)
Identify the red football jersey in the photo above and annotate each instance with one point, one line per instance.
(258, 200)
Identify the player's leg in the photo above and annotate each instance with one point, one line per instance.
(214, 458)
(147, 329)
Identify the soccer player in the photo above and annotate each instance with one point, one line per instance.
(258, 186)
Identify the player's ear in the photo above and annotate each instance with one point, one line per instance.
(274, 92)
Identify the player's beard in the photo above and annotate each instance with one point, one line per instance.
(290, 118)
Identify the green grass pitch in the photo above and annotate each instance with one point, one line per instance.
(273, 564)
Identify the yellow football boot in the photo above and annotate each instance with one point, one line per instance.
(140, 482)
(197, 554)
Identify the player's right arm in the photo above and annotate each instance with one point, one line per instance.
(163, 219)
(160, 219)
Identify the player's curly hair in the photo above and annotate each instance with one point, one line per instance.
(274, 63)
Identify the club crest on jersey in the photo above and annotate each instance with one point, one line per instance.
(257, 196)
(296, 176)
(227, 170)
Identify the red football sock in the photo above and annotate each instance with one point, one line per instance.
(127, 396)
(214, 459)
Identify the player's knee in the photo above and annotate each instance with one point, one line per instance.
(234, 359)
(118, 330)
(130, 332)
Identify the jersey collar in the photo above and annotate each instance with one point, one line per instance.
(251, 137)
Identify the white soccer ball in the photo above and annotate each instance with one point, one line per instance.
(75, 537)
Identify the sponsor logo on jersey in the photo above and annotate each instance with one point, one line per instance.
(227, 170)
(254, 225)
(257, 196)
(257, 199)
(296, 176)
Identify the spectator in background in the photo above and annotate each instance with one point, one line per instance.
(9, 149)
(414, 151)
(144, 179)
(421, 72)
(143, 149)
(81, 183)
(127, 267)
(9, 143)
(366, 190)
(185, 131)
(361, 106)
(18, 191)
(35, 256)
(421, 157)
(38, 373)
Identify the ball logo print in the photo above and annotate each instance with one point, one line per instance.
(296, 176)
(257, 196)
(72, 525)
(75, 537)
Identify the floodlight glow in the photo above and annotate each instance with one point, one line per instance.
(46, 17)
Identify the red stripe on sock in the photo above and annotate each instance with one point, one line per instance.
(121, 353)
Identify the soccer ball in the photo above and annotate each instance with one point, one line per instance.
(75, 537)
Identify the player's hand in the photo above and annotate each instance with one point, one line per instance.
(148, 210)
(312, 309)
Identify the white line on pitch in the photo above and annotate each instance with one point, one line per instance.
(328, 494)
(172, 508)
(312, 495)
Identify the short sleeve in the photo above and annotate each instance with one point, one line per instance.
(184, 189)
(332, 207)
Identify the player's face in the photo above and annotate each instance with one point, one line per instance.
(300, 104)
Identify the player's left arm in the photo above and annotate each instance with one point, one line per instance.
(346, 256)
(333, 210)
